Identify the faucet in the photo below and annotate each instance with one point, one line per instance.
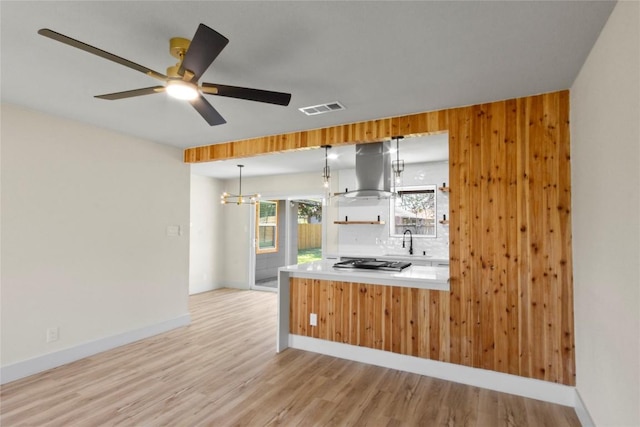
(410, 240)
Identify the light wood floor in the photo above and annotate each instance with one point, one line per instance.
(222, 370)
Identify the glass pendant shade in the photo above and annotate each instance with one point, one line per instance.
(397, 165)
(326, 172)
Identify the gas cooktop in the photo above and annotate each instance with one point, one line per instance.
(372, 264)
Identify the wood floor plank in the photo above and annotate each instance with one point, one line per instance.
(223, 370)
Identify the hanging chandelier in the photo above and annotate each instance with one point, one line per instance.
(326, 172)
(239, 199)
(398, 164)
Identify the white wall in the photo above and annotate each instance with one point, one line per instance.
(206, 256)
(605, 115)
(84, 224)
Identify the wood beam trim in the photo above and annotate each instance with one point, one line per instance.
(351, 133)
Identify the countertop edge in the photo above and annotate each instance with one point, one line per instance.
(324, 270)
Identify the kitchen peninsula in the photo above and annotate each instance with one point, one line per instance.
(349, 304)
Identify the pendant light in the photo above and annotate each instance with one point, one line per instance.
(239, 199)
(397, 165)
(326, 172)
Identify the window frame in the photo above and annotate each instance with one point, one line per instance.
(428, 188)
(259, 225)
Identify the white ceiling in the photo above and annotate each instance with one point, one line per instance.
(379, 59)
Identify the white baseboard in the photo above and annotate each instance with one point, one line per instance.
(42, 363)
(582, 412)
(236, 285)
(194, 290)
(506, 383)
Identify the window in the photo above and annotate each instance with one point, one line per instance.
(414, 209)
(267, 226)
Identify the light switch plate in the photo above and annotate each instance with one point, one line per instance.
(313, 319)
(173, 230)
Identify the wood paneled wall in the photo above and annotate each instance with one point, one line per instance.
(510, 307)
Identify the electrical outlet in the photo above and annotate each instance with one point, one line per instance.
(52, 334)
(313, 319)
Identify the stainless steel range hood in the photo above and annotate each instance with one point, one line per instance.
(373, 171)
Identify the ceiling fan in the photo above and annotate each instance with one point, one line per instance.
(181, 81)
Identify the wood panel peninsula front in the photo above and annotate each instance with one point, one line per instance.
(375, 309)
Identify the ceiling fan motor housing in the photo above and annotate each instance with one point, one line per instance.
(178, 46)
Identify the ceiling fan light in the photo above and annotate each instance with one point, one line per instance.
(181, 90)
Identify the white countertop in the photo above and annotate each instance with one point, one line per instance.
(415, 276)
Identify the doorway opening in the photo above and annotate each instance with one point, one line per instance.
(287, 232)
(309, 228)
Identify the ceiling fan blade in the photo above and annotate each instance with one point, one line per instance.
(101, 53)
(131, 93)
(203, 49)
(259, 95)
(207, 111)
